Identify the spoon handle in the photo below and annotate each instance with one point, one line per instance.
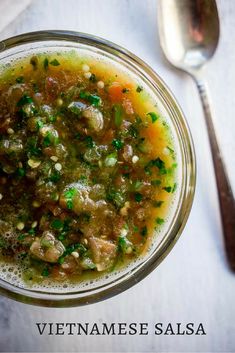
(226, 199)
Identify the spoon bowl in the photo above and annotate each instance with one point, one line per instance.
(189, 32)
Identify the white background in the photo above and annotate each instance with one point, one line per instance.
(193, 284)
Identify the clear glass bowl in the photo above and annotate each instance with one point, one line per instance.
(90, 292)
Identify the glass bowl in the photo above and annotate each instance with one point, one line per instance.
(117, 282)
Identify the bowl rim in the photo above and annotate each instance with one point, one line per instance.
(128, 280)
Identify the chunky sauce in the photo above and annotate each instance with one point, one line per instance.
(87, 168)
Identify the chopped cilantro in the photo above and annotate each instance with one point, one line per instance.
(54, 62)
(39, 124)
(20, 79)
(89, 142)
(45, 272)
(57, 224)
(144, 231)
(91, 98)
(157, 204)
(125, 90)
(139, 89)
(156, 182)
(25, 99)
(118, 114)
(153, 116)
(69, 195)
(55, 176)
(46, 63)
(21, 237)
(167, 189)
(138, 197)
(159, 220)
(118, 144)
(20, 172)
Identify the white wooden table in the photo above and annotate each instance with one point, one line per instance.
(193, 284)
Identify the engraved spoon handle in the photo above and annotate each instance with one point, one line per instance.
(226, 199)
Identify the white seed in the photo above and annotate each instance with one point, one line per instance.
(129, 250)
(58, 167)
(75, 254)
(54, 158)
(1, 196)
(135, 159)
(124, 232)
(85, 241)
(100, 164)
(165, 151)
(20, 226)
(85, 68)
(34, 224)
(33, 163)
(87, 75)
(100, 84)
(36, 204)
(59, 102)
(20, 165)
(10, 131)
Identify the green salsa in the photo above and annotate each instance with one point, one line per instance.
(87, 168)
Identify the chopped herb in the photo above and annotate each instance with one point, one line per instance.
(156, 182)
(137, 184)
(39, 124)
(54, 62)
(89, 142)
(159, 220)
(31, 231)
(21, 237)
(135, 229)
(74, 247)
(125, 90)
(34, 62)
(157, 204)
(116, 197)
(20, 79)
(57, 224)
(55, 176)
(118, 114)
(21, 172)
(45, 272)
(118, 144)
(92, 98)
(62, 236)
(167, 188)
(124, 244)
(46, 63)
(170, 150)
(133, 131)
(144, 231)
(153, 116)
(69, 195)
(93, 78)
(159, 163)
(50, 139)
(174, 187)
(139, 89)
(25, 99)
(138, 197)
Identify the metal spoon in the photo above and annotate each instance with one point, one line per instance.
(189, 34)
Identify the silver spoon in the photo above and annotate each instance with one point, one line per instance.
(189, 34)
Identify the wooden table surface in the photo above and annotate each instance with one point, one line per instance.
(193, 284)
